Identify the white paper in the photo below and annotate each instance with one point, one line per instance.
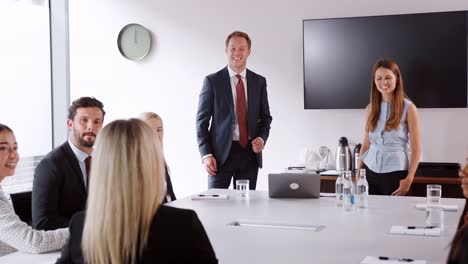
(376, 260)
(280, 225)
(446, 207)
(329, 172)
(419, 231)
(210, 197)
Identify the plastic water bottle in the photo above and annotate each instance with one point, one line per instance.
(348, 192)
(362, 190)
(339, 189)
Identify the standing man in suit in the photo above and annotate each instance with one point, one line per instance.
(233, 118)
(60, 179)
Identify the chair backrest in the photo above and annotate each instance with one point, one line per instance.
(22, 204)
(19, 187)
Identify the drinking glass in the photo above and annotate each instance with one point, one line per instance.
(242, 187)
(435, 216)
(434, 193)
(323, 152)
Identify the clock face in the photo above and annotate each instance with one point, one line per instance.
(134, 42)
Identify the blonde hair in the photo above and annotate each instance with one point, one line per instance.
(146, 116)
(127, 186)
(396, 108)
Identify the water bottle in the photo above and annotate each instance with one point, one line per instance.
(362, 190)
(339, 189)
(348, 192)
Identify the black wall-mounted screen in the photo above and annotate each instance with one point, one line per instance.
(431, 50)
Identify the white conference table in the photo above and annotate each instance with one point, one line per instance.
(26, 258)
(347, 237)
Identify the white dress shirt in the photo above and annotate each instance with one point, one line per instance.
(80, 156)
(234, 81)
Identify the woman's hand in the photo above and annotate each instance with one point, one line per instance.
(404, 187)
(464, 172)
(464, 179)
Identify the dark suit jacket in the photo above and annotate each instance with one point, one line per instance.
(170, 190)
(216, 104)
(175, 236)
(58, 189)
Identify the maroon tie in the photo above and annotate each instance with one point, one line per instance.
(242, 113)
(88, 167)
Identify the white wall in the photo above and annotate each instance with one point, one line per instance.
(189, 44)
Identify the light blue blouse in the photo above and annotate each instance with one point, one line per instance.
(388, 150)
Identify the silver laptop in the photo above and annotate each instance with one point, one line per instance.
(294, 185)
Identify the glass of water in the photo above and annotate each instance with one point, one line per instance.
(242, 187)
(435, 216)
(434, 193)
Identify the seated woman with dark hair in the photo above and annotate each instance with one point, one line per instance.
(14, 233)
(125, 221)
(459, 250)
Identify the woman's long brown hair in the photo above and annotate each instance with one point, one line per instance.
(457, 246)
(397, 102)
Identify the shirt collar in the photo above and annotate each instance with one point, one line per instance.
(80, 155)
(232, 73)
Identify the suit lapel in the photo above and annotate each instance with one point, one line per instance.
(227, 90)
(71, 158)
(251, 100)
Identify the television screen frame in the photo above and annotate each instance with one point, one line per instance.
(333, 57)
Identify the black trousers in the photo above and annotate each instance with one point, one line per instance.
(240, 164)
(384, 183)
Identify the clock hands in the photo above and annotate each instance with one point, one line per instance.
(135, 37)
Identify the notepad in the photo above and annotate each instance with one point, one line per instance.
(417, 231)
(445, 207)
(327, 194)
(329, 172)
(276, 225)
(391, 260)
(210, 197)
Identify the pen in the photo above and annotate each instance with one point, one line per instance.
(425, 227)
(397, 259)
(208, 195)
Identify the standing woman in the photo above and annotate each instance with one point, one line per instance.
(125, 220)
(156, 124)
(391, 122)
(14, 233)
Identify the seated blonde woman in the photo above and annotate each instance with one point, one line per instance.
(125, 221)
(156, 123)
(14, 233)
(459, 250)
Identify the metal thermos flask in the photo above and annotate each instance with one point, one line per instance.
(343, 155)
(356, 158)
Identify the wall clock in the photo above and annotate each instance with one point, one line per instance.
(134, 42)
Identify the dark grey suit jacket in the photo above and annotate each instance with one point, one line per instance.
(216, 105)
(58, 189)
(175, 236)
(170, 189)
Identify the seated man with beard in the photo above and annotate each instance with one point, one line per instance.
(61, 178)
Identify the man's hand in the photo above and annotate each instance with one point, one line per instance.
(258, 145)
(405, 185)
(210, 165)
